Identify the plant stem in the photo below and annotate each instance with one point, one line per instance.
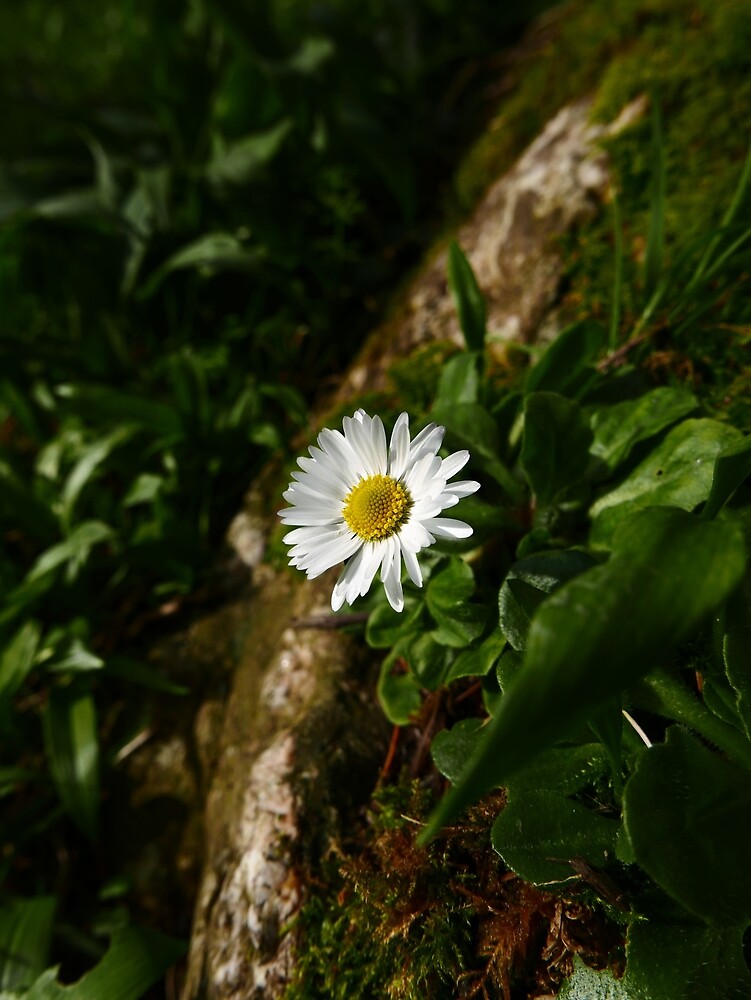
(668, 696)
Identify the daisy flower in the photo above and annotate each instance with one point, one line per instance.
(372, 505)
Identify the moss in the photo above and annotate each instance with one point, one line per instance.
(392, 920)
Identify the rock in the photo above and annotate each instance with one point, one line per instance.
(284, 759)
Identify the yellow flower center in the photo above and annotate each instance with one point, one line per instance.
(377, 507)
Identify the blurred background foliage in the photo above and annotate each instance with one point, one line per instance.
(202, 209)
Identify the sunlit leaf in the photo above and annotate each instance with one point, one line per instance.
(468, 299)
(677, 473)
(25, 935)
(694, 846)
(668, 571)
(136, 959)
(16, 661)
(555, 444)
(685, 962)
(71, 743)
(621, 426)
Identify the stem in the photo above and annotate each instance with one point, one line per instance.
(668, 696)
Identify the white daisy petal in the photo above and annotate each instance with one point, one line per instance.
(390, 575)
(464, 488)
(399, 450)
(412, 566)
(454, 463)
(448, 527)
(371, 504)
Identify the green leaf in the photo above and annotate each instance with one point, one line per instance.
(25, 935)
(136, 959)
(528, 583)
(541, 828)
(555, 444)
(685, 962)
(16, 661)
(452, 748)
(242, 161)
(451, 585)
(695, 846)
(211, 253)
(564, 367)
(668, 571)
(607, 725)
(76, 658)
(479, 661)
(538, 826)
(677, 473)
(468, 299)
(732, 467)
(588, 984)
(72, 747)
(458, 623)
(460, 380)
(469, 425)
(428, 660)
(398, 689)
(74, 550)
(736, 649)
(618, 428)
(86, 467)
(386, 626)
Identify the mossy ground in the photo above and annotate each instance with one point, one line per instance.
(394, 921)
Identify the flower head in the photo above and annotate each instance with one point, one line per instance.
(372, 505)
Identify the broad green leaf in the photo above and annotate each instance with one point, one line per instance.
(677, 473)
(136, 959)
(468, 299)
(589, 984)
(386, 626)
(76, 658)
(471, 426)
(465, 624)
(736, 649)
(618, 428)
(528, 583)
(428, 660)
(460, 380)
(459, 623)
(398, 689)
(541, 828)
(71, 744)
(538, 826)
(732, 467)
(695, 846)
(25, 935)
(668, 571)
(241, 162)
(555, 445)
(74, 550)
(479, 661)
(607, 725)
(685, 962)
(452, 748)
(86, 468)
(212, 254)
(564, 367)
(16, 661)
